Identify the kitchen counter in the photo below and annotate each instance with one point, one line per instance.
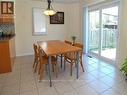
(6, 38)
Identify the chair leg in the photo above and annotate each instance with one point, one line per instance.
(82, 65)
(53, 67)
(75, 64)
(41, 72)
(46, 67)
(56, 70)
(35, 69)
(64, 64)
(71, 68)
(61, 60)
(36, 64)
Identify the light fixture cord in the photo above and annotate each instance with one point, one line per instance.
(49, 4)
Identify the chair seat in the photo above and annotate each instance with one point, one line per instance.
(45, 59)
(71, 56)
(53, 59)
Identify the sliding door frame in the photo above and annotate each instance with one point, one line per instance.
(100, 7)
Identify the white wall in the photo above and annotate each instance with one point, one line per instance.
(122, 50)
(74, 23)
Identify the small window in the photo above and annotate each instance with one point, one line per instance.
(39, 22)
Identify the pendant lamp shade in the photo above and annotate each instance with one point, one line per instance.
(49, 11)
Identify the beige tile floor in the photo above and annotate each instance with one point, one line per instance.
(99, 78)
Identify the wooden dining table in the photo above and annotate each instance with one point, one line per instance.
(55, 47)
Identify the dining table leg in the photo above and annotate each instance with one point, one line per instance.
(49, 70)
(61, 60)
(78, 54)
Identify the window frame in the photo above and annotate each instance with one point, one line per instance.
(33, 23)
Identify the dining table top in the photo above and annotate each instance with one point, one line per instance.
(54, 47)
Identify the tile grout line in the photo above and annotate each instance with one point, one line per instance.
(93, 89)
(20, 81)
(1, 89)
(75, 89)
(105, 90)
(36, 84)
(4, 84)
(56, 90)
(102, 91)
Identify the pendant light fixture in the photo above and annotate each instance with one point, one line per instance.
(49, 11)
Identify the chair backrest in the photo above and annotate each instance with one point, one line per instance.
(36, 52)
(43, 58)
(68, 42)
(40, 54)
(79, 45)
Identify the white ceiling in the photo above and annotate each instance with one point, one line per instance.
(66, 1)
(60, 1)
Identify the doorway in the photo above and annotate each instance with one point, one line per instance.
(103, 32)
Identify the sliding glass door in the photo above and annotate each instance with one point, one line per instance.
(109, 32)
(94, 32)
(102, 32)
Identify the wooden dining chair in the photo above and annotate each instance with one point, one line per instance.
(36, 57)
(68, 42)
(44, 61)
(81, 53)
(72, 58)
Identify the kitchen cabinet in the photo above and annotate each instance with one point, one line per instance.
(1, 20)
(7, 54)
(7, 19)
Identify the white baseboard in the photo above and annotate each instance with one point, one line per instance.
(24, 54)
